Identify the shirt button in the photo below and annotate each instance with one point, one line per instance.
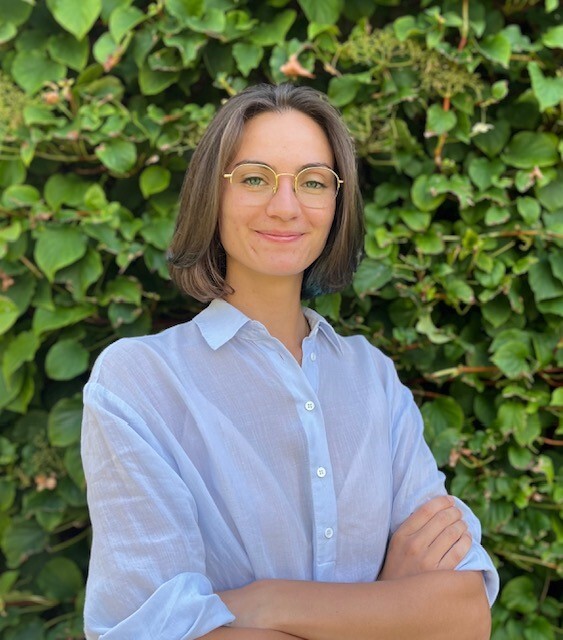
(321, 472)
(328, 533)
(313, 357)
(309, 405)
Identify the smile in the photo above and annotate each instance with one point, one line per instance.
(284, 236)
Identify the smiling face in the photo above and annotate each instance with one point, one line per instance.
(277, 237)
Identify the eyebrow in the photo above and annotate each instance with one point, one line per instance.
(309, 165)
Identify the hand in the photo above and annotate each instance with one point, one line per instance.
(433, 538)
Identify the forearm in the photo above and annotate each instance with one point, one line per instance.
(228, 633)
(437, 605)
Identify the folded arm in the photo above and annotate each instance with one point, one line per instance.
(418, 593)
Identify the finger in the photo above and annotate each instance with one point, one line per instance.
(425, 513)
(438, 526)
(444, 542)
(457, 552)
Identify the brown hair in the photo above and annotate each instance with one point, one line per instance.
(196, 259)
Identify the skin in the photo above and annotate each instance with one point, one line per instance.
(417, 595)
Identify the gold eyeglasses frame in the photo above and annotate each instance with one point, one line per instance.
(295, 176)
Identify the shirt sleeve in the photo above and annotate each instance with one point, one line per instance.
(417, 479)
(147, 568)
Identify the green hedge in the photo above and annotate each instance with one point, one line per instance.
(456, 108)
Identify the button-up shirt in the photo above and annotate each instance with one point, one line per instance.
(213, 459)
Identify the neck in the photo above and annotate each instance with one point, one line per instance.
(278, 307)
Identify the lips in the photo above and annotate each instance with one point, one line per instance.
(280, 236)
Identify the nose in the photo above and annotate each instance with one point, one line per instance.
(284, 203)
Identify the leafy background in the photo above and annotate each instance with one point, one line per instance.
(456, 108)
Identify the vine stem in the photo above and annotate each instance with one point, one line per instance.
(464, 25)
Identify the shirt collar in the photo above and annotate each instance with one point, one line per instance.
(220, 322)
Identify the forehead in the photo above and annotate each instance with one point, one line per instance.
(284, 140)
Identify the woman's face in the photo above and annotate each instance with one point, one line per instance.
(279, 235)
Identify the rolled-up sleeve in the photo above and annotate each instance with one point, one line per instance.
(147, 568)
(417, 479)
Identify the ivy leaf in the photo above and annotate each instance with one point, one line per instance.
(154, 180)
(439, 121)
(67, 50)
(32, 69)
(512, 359)
(75, 17)
(123, 20)
(493, 142)
(529, 149)
(247, 56)
(8, 313)
(60, 579)
(269, 34)
(117, 155)
(519, 595)
(371, 276)
(48, 320)
(21, 539)
(553, 37)
(548, 91)
(65, 419)
(325, 12)
(21, 349)
(441, 414)
(15, 12)
(542, 282)
(66, 360)
(497, 48)
(57, 248)
(423, 196)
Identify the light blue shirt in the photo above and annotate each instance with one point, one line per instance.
(213, 459)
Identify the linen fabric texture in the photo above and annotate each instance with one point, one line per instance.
(214, 459)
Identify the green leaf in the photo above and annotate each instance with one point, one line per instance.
(124, 19)
(529, 149)
(60, 579)
(329, 305)
(118, 156)
(57, 248)
(158, 232)
(7, 32)
(439, 121)
(247, 56)
(66, 360)
(267, 35)
(67, 50)
(325, 12)
(423, 196)
(553, 37)
(529, 209)
(548, 91)
(8, 313)
(181, 9)
(15, 12)
(63, 425)
(519, 595)
(415, 220)
(47, 320)
(154, 82)
(21, 539)
(20, 349)
(153, 180)
(543, 283)
(371, 276)
(429, 243)
(551, 195)
(441, 414)
(497, 48)
(80, 275)
(493, 142)
(65, 188)
(343, 89)
(512, 359)
(7, 497)
(75, 17)
(32, 69)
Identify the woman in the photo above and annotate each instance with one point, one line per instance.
(246, 469)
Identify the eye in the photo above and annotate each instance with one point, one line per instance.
(253, 177)
(315, 180)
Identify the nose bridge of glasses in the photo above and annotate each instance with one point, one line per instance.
(277, 179)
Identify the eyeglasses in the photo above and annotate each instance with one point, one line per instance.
(314, 187)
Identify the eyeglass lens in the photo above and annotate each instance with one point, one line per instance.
(315, 186)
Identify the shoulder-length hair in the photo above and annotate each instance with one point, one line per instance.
(196, 258)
